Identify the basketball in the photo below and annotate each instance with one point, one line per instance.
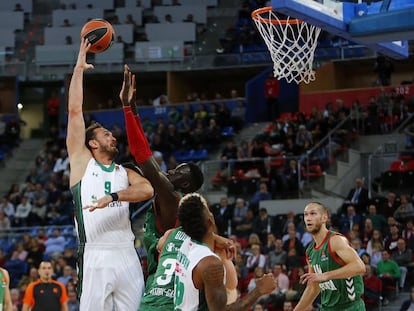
(100, 34)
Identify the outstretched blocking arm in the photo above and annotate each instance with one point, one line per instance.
(79, 155)
(166, 200)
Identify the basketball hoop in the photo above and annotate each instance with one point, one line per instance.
(291, 43)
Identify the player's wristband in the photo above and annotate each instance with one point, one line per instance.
(114, 196)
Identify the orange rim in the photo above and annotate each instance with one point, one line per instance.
(256, 15)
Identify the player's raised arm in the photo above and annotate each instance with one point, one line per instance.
(166, 199)
(75, 139)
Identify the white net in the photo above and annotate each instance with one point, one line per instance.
(291, 44)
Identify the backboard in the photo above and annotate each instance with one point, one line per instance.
(383, 26)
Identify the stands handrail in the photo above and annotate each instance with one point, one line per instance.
(321, 143)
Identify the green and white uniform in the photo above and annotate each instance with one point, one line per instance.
(339, 294)
(159, 294)
(3, 285)
(110, 273)
(187, 297)
(150, 240)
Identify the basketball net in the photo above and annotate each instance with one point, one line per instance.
(291, 43)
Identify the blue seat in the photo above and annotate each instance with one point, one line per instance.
(227, 131)
(199, 155)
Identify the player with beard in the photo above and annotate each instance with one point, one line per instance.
(110, 273)
(335, 269)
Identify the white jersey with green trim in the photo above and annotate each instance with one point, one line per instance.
(187, 296)
(108, 225)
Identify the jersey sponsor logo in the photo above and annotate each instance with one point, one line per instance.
(328, 285)
(170, 247)
(115, 204)
(323, 256)
(167, 292)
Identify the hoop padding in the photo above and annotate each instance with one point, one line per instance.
(291, 43)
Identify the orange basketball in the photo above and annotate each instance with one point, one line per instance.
(100, 34)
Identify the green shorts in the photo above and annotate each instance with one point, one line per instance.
(357, 305)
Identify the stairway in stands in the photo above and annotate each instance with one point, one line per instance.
(17, 166)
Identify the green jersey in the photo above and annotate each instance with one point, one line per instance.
(3, 285)
(338, 294)
(159, 294)
(150, 240)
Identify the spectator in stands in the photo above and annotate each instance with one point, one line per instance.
(66, 276)
(270, 243)
(392, 237)
(4, 221)
(238, 116)
(239, 212)
(73, 303)
(22, 213)
(349, 219)
(229, 153)
(389, 205)
(372, 287)
(7, 207)
(258, 273)
(255, 258)
(15, 299)
(62, 162)
(358, 197)
(262, 225)
(278, 255)
(259, 307)
(278, 296)
(245, 228)
(223, 213)
(213, 134)
(408, 233)
(294, 260)
(376, 237)
(55, 244)
(405, 210)
(35, 253)
(357, 246)
(260, 195)
(292, 240)
(18, 7)
(384, 68)
(271, 92)
(244, 150)
(302, 136)
(403, 257)
(379, 222)
(189, 19)
(388, 271)
(223, 115)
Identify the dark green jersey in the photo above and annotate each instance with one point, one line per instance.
(150, 240)
(159, 294)
(337, 294)
(3, 285)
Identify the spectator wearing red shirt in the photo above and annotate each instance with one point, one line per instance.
(271, 92)
(53, 105)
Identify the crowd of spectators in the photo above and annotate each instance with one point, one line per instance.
(276, 244)
(266, 243)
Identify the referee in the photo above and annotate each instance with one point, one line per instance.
(45, 294)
